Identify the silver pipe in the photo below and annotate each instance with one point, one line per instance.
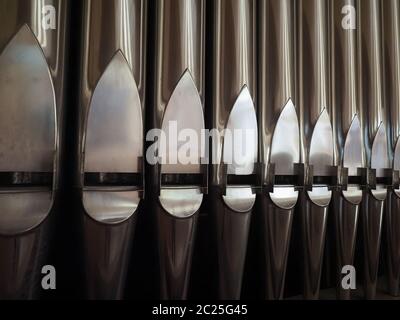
(279, 136)
(348, 136)
(233, 107)
(111, 128)
(391, 12)
(178, 99)
(33, 39)
(313, 99)
(373, 120)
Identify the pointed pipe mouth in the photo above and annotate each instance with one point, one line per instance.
(173, 174)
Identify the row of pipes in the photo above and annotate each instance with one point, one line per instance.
(319, 79)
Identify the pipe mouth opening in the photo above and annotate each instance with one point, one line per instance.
(110, 205)
(284, 197)
(24, 209)
(28, 134)
(320, 195)
(181, 201)
(380, 193)
(240, 199)
(353, 194)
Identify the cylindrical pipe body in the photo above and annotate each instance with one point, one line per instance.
(276, 82)
(110, 140)
(178, 98)
(33, 56)
(234, 80)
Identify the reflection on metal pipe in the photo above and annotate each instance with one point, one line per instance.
(233, 96)
(392, 213)
(347, 128)
(31, 87)
(373, 120)
(178, 101)
(316, 134)
(111, 127)
(279, 134)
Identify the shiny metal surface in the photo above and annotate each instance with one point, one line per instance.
(113, 140)
(380, 160)
(239, 199)
(379, 152)
(26, 93)
(110, 206)
(353, 159)
(373, 116)
(181, 203)
(179, 67)
(391, 33)
(315, 206)
(232, 237)
(345, 100)
(280, 136)
(14, 14)
(106, 256)
(106, 55)
(392, 225)
(313, 223)
(353, 148)
(32, 87)
(313, 84)
(348, 142)
(313, 100)
(233, 77)
(371, 228)
(240, 149)
(180, 37)
(313, 67)
(321, 146)
(114, 130)
(285, 152)
(391, 38)
(110, 140)
(275, 228)
(396, 161)
(318, 94)
(176, 237)
(277, 80)
(21, 264)
(285, 149)
(346, 206)
(126, 31)
(346, 213)
(184, 111)
(373, 111)
(284, 197)
(233, 62)
(23, 211)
